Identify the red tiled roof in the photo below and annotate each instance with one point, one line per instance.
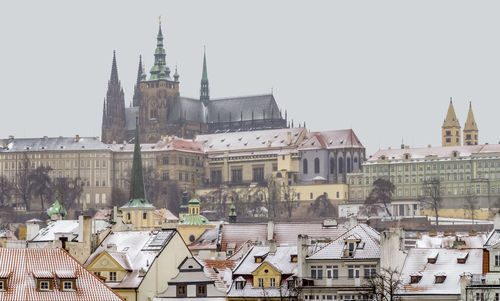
(22, 264)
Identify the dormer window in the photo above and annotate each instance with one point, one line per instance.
(433, 258)
(293, 258)
(351, 244)
(3, 284)
(44, 280)
(440, 278)
(462, 258)
(415, 278)
(260, 258)
(44, 285)
(240, 283)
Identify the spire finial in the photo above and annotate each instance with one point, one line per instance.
(470, 104)
(159, 19)
(114, 70)
(204, 89)
(451, 99)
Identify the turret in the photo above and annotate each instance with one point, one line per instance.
(451, 130)
(159, 69)
(471, 132)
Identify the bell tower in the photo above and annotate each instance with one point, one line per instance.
(451, 129)
(471, 132)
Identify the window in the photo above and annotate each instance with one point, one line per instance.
(112, 276)
(165, 176)
(67, 285)
(261, 282)
(317, 272)
(332, 272)
(332, 165)
(144, 215)
(180, 160)
(353, 271)
(304, 166)
(348, 165)
(128, 215)
(201, 290)
(44, 285)
(272, 282)
(258, 174)
(3, 287)
(497, 260)
(165, 160)
(240, 285)
(340, 166)
(370, 271)
(181, 290)
(216, 176)
(316, 165)
(236, 175)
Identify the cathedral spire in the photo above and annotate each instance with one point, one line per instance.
(139, 71)
(159, 69)
(137, 88)
(137, 190)
(204, 90)
(471, 132)
(114, 70)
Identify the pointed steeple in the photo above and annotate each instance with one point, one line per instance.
(114, 70)
(159, 69)
(471, 132)
(137, 190)
(137, 88)
(204, 89)
(451, 129)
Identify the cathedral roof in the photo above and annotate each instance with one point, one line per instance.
(331, 140)
(259, 105)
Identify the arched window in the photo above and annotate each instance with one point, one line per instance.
(304, 166)
(348, 165)
(316, 165)
(341, 165)
(332, 165)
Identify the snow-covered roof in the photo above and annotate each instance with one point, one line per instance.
(54, 144)
(168, 144)
(331, 140)
(133, 250)
(249, 291)
(493, 238)
(66, 226)
(368, 244)
(220, 271)
(281, 260)
(417, 262)
(448, 241)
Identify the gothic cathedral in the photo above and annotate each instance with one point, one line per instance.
(162, 111)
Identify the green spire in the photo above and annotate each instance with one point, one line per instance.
(159, 69)
(137, 190)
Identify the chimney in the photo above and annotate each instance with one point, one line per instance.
(84, 229)
(288, 138)
(353, 221)
(392, 253)
(32, 229)
(272, 246)
(270, 230)
(302, 248)
(77, 138)
(5, 142)
(496, 221)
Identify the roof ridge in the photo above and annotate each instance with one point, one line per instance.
(328, 244)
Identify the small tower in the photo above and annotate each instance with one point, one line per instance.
(232, 214)
(56, 211)
(137, 88)
(451, 129)
(138, 211)
(471, 132)
(204, 90)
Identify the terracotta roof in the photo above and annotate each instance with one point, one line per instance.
(331, 140)
(24, 263)
(220, 271)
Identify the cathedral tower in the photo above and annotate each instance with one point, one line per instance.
(204, 91)
(113, 115)
(157, 96)
(471, 132)
(137, 88)
(451, 130)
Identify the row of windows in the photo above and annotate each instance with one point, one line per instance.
(57, 164)
(429, 167)
(237, 175)
(305, 167)
(332, 271)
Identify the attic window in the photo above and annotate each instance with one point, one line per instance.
(462, 258)
(260, 258)
(3, 283)
(440, 277)
(433, 258)
(455, 154)
(407, 156)
(293, 258)
(415, 278)
(240, 284)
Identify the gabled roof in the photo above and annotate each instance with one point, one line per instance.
(417, 262)
(66, 226)
(55, 263)
(493, 238)
(134, 251)
(368, 246)
(54, 144)
(220, 271)
(281, 260)
(331, 140)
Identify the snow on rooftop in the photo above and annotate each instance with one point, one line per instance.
(281, 260)
(66, 226)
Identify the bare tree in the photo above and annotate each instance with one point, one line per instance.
(384, 285)
(381, 192)
(322, 206)
(70, 190)
(118, 197)
(432, 196)
(270, 195)
(471, 203)
(41, 183)
(6, 190)
(289, 199)
(23, 184)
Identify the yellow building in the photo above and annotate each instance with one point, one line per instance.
(193, 225)
(451, 129)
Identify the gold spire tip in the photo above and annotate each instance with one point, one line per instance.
(159, 19)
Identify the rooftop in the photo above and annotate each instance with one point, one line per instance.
(331, 140)
(53, 144)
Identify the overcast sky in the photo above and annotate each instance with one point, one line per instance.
(384, 68)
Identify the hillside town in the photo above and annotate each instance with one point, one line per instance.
(229, 199)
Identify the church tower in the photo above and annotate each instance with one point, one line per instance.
(471, 132)
(113, 115)
(204, 90)
(157, 96)
(451, 130)
(137, 88)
